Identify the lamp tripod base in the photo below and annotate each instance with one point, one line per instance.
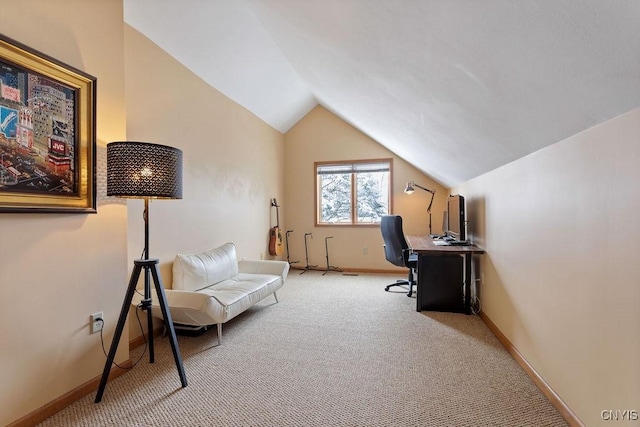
(149, 265)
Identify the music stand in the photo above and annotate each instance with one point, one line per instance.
(286, 239)
(326, 248)
(306, 254)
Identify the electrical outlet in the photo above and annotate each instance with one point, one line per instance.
(365, 251)
(96, 325)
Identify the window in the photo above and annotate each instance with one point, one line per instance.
(354, 192)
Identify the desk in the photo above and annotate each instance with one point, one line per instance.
(444, 275)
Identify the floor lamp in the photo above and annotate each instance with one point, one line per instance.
(409, 190)
(147, 171)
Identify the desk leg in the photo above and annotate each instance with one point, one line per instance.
(467, 283)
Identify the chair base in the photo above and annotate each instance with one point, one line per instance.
(402, 283)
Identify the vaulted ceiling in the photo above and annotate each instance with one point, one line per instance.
(455, 87)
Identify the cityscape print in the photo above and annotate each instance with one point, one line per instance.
(37, 133)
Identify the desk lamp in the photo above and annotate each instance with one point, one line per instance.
(143, 170)
(409, 190)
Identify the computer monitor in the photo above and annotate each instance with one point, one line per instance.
(455, 225)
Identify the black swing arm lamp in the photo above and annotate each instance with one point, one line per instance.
(409, 189)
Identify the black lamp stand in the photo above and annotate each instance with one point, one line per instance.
(433, 193)
(409, 190)
(150, 266)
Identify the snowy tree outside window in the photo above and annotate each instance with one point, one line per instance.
(356, 192)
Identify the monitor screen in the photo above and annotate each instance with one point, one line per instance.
(455, 217)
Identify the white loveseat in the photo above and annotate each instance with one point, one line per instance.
(213, 287)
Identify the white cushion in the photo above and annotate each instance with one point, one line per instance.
(192, 272)
(218, 303)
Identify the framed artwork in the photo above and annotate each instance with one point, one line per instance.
(47, 133)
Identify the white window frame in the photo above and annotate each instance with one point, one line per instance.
(352, 167)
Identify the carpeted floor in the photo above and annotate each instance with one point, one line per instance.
(336, 351)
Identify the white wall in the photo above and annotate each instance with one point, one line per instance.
(323, 136)
(560, 274)
(57, 269)
(233, 162)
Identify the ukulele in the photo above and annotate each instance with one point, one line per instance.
(275, 235)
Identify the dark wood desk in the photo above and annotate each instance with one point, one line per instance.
(444, 275)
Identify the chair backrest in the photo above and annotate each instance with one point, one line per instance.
(396, 249)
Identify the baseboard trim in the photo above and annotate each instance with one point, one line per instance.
(81, 391)
(142, 339)
(355, 270)
(68, 398)
(555, 400)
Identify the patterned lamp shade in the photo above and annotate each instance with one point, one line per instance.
(144, 170)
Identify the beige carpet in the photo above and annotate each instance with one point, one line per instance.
(336, 351)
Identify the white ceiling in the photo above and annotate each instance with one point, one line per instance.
(455, 87)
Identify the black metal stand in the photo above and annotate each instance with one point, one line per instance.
(306, 254)
(433, 193)
(286, 239)
(326, 248)
(152, 265)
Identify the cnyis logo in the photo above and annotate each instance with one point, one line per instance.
(619, 415)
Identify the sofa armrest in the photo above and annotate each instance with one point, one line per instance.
(176, 299)
(277, 268)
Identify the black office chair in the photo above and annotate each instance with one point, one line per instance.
(396, 249)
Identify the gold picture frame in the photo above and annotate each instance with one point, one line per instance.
(47, 133)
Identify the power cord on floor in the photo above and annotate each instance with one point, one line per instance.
(141, 306)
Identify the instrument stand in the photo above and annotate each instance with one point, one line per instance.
(149, 265)
(286, 239)
(306, 254)
(326, 248)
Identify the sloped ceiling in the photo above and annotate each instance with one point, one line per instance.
(457, 88)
